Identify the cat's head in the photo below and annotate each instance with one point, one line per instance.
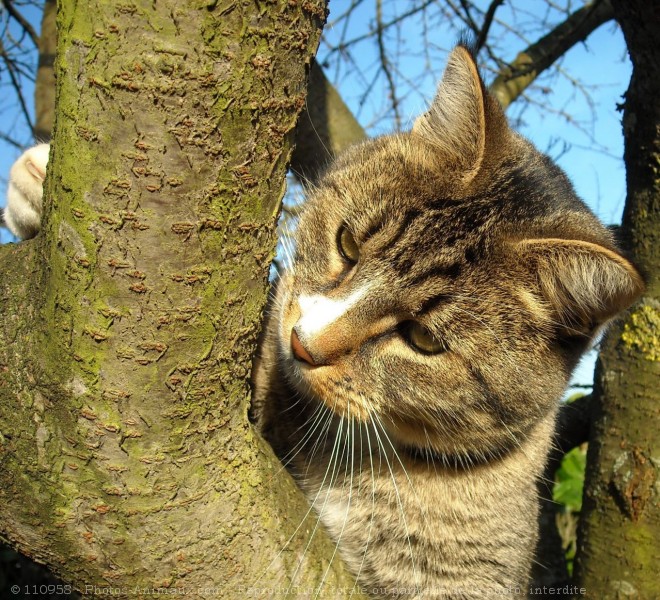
(446, 280)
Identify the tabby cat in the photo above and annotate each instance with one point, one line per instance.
(443, 286)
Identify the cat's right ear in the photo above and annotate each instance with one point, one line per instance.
(586, 284)
(455, 124)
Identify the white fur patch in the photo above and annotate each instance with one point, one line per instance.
(25, 190)
(318, 312)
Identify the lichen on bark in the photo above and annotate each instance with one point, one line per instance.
(126, 456)
(642, 331)
(620, 522)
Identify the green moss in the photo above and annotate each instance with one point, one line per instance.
(146, 387)
(641, 333)
(642, 542)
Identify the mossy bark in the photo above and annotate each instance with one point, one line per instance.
(126, 457)
(619, 537)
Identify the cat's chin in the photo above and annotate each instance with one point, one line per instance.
(424, 442)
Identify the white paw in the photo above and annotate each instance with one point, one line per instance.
(22, 216)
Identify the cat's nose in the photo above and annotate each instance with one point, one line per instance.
(299, 351)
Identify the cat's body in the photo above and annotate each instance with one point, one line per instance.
(444, 284)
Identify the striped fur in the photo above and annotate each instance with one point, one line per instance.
(423, 467)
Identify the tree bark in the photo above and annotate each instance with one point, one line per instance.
(44, 88)
(126, 457)
(619, 535)
(325, 128)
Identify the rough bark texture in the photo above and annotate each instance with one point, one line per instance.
(126, 456)
(44, 89)
(619, 537)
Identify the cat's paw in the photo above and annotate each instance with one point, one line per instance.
(22, 216)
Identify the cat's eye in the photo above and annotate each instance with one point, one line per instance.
(422, 339)
(347, 245)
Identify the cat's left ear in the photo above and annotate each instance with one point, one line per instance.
(585, 283)
(455, 124)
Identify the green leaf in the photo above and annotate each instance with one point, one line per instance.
(569, 480)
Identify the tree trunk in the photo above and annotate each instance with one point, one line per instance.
(44, 88)
(325, 128)
(619, 537)
(126, 457)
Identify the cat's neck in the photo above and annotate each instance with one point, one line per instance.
(439, 515)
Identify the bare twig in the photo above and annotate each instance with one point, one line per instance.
(386, 64)
(11, 70)
(372, 32)
(11, 141)
(21, 20)
(464, 16)
(346, 13)
(468, 16)
(488, 20)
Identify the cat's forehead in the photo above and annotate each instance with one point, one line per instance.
(392, 185)
(391, 164)
(395, 178)
(386, 176)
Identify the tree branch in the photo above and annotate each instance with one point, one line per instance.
(488, 20)
(530, 63)
(44, 88)
(325, 128)
(126, 456)
(21, 20)
(620, 522)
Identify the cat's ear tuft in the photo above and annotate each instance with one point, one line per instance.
(585, 283)
(455, 124)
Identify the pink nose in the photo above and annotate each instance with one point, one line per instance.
(299, 351)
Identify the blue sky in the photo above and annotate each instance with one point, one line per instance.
(593, 158)
(591, 153)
